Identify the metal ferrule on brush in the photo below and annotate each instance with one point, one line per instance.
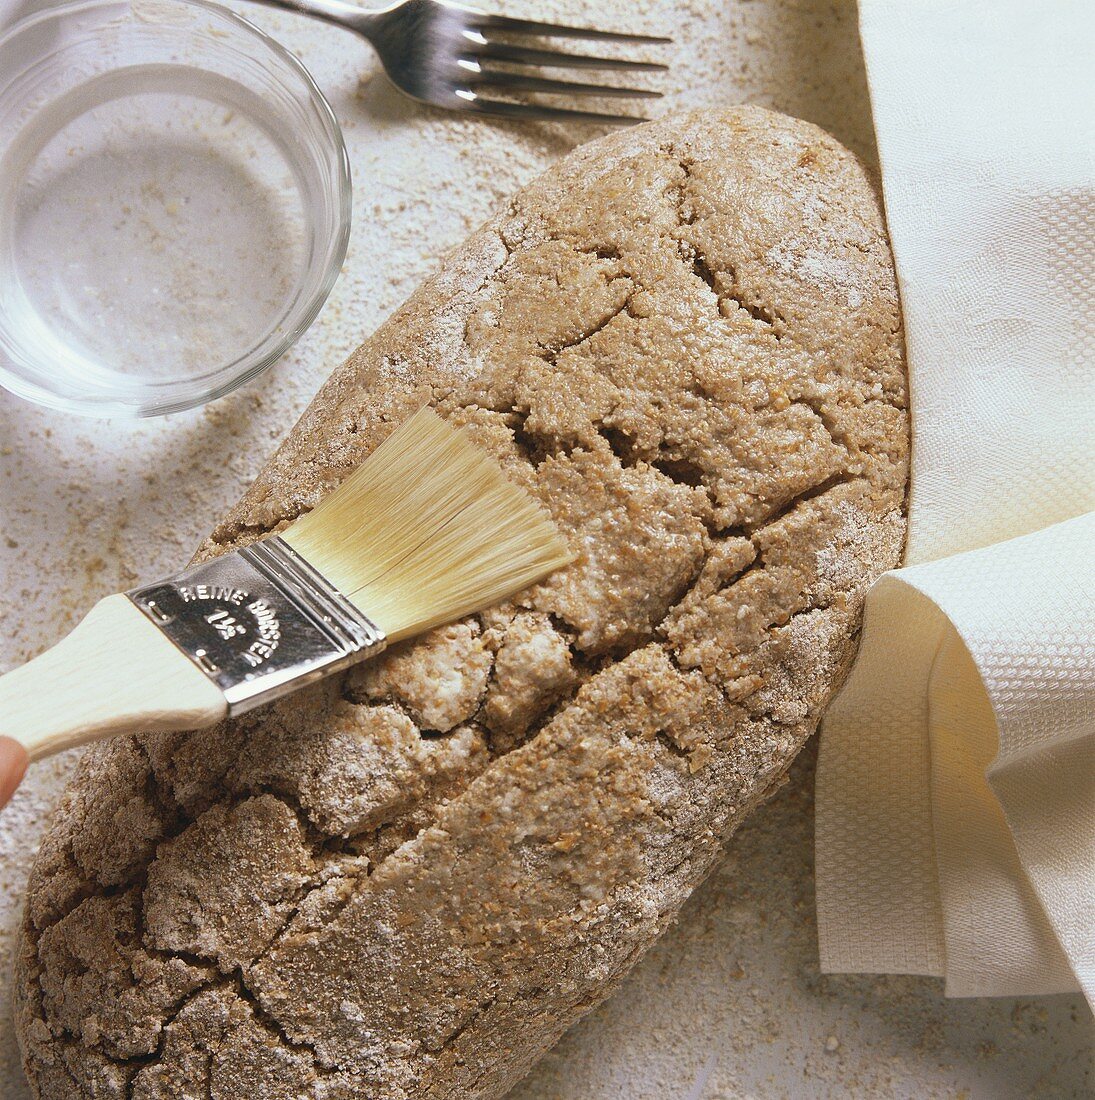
(259, 622)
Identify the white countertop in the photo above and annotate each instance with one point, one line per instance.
(728, 1004)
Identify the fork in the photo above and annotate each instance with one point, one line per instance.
(448, 55)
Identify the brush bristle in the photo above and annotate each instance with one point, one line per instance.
(426, 530)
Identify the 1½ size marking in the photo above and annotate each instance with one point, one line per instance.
(249, 625)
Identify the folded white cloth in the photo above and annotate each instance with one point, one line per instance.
(956, 783)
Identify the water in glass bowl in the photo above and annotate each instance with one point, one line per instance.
(153, 228)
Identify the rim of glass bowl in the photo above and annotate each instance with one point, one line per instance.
(255, 360)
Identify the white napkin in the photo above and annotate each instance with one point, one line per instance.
(956, 783)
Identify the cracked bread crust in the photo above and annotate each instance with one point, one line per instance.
(410, 880)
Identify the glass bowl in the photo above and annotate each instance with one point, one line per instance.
(174, 204)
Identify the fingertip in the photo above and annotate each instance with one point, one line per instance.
(13, 765)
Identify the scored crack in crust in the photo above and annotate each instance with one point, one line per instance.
(410, 880)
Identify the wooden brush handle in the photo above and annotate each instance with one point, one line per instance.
(115, 673)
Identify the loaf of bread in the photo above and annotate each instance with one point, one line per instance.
(408, 881)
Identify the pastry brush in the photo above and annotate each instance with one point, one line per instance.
(426, 530)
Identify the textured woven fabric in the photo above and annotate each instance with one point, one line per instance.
(956, 784)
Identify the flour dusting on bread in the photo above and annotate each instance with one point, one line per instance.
(685, 341)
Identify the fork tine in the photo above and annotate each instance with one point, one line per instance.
(559, 30)
(500, 51)
(515, 82)
(536, 112)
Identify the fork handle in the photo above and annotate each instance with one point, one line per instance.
(348, 16)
